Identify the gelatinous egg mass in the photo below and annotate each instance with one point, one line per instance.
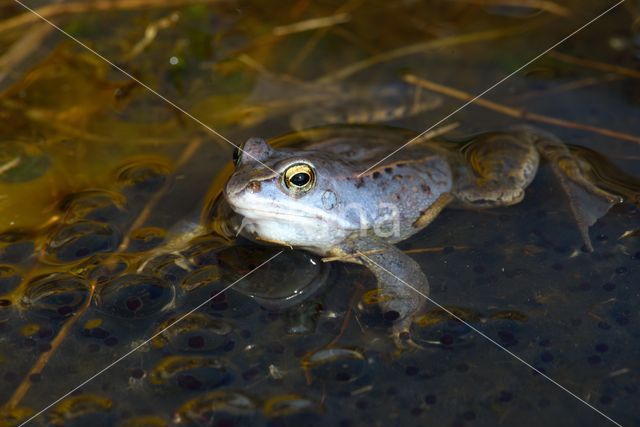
(135, 296)
(82, 239)
(10, 278)
(55, 296)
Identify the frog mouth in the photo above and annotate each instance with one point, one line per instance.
(269, 214)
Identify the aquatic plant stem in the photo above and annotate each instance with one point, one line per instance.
(596, 65)
(347, 315)
(516, 112)
(313, 41)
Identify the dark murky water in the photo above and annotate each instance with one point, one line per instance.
(102, 184)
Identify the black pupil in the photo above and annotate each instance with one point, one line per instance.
(300, 179)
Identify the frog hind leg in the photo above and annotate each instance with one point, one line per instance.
(403, 286)
(588, 201)
(500, 165)
(496, 169)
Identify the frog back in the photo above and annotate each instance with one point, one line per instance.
(400, 195)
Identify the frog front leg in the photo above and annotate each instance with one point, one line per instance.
(403, 286)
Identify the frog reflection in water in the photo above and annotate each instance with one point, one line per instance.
(315, 198)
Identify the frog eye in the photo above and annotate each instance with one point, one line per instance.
(299, 177)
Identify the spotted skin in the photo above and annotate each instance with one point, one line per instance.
(358, 218)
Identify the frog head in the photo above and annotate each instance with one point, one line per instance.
(293, 198)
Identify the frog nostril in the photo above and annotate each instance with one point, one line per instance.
(254, 186)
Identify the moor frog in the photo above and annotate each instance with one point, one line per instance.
(314, 197)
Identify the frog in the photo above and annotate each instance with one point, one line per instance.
(321, 195)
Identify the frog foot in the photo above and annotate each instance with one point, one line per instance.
(403, 287)
(588, 202)
(403, 340)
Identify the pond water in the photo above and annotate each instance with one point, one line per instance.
(103, 185)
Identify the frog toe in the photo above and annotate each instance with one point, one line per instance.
(404, 341)
(402, 338)
(587, 200)
(588, 204)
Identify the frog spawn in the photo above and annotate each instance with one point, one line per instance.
(197, 369)
(10, 278)
(135, 296)
(198, 332)
(84, 409)
(55, 296)
(192, 372)
(117, 295)
(338, 369)
(196, 352)
(81, 239)
(16, 246)
(237, 408)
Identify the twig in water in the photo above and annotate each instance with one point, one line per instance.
(517, 112)
(312, 24)
(589, 63)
